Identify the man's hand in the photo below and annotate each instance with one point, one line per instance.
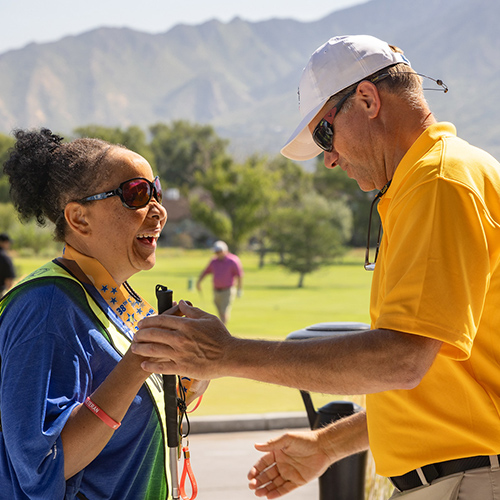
(296, 458)
(193, 345)
(292, 460)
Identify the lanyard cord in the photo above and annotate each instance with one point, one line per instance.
(196, 405)
(182, 406)
(187, 471)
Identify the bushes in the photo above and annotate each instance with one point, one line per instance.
(28, 239)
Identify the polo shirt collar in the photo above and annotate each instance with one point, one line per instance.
(419, 148)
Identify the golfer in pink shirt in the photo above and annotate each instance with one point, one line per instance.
(227, 277)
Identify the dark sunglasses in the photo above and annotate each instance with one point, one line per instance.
(134, 193)
(323, 133)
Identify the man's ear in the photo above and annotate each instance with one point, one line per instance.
(76, 217)
(369, 97)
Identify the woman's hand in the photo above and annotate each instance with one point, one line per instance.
(194, 388)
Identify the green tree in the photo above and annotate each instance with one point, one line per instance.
(335, 184)
(8, 218)
(311, 235)
(239, 196)
(38, 239)
(26, 236)
(292, 183)
(133, 138)
(183, 149)
(6, 142)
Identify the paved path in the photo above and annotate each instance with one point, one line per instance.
(221, 462)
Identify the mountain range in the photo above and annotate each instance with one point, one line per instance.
(241, 77)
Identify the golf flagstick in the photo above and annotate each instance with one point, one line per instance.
(164, 297)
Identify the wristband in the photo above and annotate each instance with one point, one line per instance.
(98, 412)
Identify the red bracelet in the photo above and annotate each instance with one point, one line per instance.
(101, 414)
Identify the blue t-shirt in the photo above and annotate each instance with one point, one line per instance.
(53, 355)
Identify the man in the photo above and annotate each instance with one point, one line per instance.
(7, 272)
(430, 364)
(226, 269)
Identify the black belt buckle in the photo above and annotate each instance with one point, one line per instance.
(412, 479)
(431, 472)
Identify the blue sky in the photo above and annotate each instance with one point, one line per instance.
(25, 21)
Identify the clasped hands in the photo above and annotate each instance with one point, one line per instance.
(187, 340)
(182, 340)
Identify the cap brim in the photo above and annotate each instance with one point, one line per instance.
(300, 146)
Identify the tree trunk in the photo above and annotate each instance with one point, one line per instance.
(301, 280)
(262, 254)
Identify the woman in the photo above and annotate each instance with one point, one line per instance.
(78, 415)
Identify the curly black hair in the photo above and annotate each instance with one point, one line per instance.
(46, 173)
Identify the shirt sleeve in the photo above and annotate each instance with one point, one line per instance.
(208, 270)
(238, 271)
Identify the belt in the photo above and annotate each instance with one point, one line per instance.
(222, 289)
(428, 473)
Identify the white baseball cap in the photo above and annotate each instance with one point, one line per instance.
(220, 246)
(337, 64)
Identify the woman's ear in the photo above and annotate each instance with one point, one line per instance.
(76, 217)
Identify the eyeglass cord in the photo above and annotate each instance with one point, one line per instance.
(371, 266)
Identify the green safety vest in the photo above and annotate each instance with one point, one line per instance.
(114, 336)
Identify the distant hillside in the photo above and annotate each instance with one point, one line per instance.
(242, 76)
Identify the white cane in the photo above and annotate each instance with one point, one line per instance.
(165, 301)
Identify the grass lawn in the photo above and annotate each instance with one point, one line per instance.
(271, 307)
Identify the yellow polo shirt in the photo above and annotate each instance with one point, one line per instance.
(438, 275)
